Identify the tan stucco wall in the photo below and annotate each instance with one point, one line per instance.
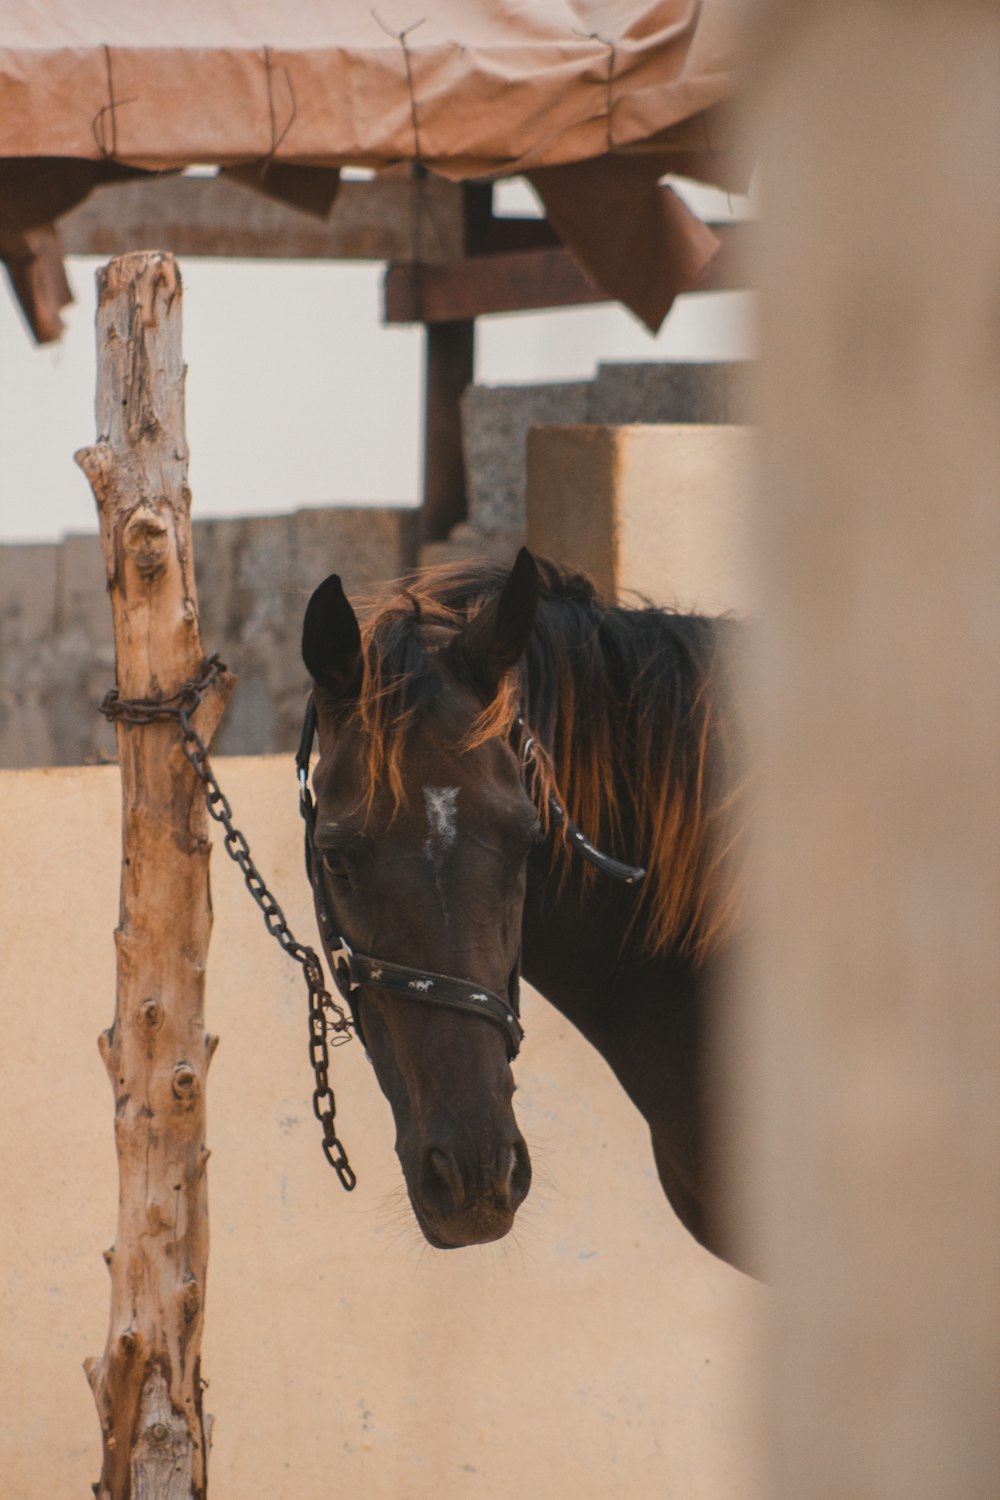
(597, 1353)
(661, 510)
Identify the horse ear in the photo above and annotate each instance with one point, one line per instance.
(497, 638)
(331, 640)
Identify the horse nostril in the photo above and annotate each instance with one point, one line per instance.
(518, 1174)
(441, 1187)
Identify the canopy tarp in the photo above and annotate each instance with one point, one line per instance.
(467, 88)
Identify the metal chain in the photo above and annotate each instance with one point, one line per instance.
(329, 1024)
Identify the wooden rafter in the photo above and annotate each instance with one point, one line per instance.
(214, 216)
(523, 280)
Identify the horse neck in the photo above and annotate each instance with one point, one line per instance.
(625, 703)
(578, 703)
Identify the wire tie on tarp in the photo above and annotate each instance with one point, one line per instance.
(418, 180)
(401, 37)
(111, 108)
(276, 138)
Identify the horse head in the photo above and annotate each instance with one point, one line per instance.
(423, 826)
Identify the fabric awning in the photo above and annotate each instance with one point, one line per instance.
(468, 88)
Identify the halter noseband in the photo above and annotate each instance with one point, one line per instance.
(352, 970)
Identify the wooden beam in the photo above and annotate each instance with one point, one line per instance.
(450, 360)
(383, 219)
(526, 280)
(376, 220)
(510, 234)
(487, 284)
(488, 234)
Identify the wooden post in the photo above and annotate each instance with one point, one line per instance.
(874, 1037)
(448, 369)
(147, 1384)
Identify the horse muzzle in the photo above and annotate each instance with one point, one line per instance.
(461, 1199)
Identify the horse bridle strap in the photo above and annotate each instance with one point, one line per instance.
(575, 837)
(355, 969)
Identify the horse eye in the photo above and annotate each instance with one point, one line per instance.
(336, 865)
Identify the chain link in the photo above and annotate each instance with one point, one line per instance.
(329, 1024)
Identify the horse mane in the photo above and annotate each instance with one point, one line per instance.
(629, 708)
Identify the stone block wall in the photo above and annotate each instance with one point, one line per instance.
(495, 425)
(496, 421)
(657, 511)
(254, 576)
(673, 393)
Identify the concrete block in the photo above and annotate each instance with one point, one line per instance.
(495, 423)
(656, 510)
(571, 510)
(254, 576)
(27, 623)
(675, 393)
(466, 542)
(82, 666)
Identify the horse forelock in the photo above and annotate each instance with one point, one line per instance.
(404, 637)
(629, 708)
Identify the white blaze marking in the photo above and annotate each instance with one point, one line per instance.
(442, 817)
(442, 824)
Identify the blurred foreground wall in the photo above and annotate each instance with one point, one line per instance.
(875, 1022)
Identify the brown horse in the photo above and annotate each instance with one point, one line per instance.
(475, 719)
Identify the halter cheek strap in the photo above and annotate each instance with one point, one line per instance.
(627, 874)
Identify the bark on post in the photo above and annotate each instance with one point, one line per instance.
(147, 1383)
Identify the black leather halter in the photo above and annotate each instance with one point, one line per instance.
(627, 874)
(353, 970)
